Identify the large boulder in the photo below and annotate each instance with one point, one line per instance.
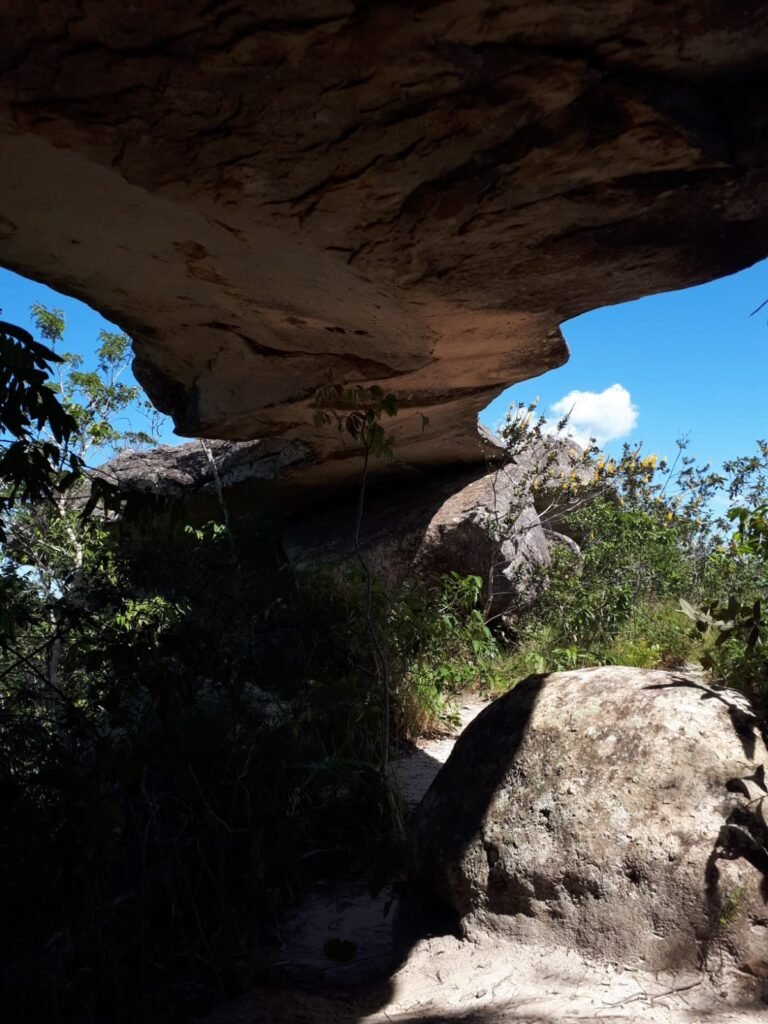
(504, 525)
(615, 810)
(395, 520)
(489, 528)
(482, 523)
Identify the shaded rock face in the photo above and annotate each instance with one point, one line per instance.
(603, 810)
(265, 194)
(187, 470)
(481, 524)
(503, 528)
(393, 527)
(489, 528)
(469, 521)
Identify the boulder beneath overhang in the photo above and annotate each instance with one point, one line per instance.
(617, 811)
(474, 523)
(266, 196)
(488, 521)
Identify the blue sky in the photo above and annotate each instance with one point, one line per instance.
(83, 324)
(691, 362)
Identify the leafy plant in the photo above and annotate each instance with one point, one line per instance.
(732, 907)
(357, 414)
(37, 427)
(737, 630)
(441, 647)
(48, 536)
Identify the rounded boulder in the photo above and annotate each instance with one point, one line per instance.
(619, 811)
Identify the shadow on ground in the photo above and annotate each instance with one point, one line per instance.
(366, 991)
(310, 986)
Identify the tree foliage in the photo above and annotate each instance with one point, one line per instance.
(35, 426)
(650, 543)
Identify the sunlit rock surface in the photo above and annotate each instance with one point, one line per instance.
(617, 811)
(268, 195)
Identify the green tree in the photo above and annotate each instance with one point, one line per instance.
(66, 424)
(35, 428)
(733, 622)
(643, 532)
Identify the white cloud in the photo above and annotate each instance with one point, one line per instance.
(604, 415)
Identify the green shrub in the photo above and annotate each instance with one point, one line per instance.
(738, 666)
(657, 635)
(441, 647)
(628, 556)
(161, 804)
(435, 638)
(176, 794)
(736, 630)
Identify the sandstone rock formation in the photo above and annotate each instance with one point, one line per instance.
(481, 521)
(187, 470)
(489, 528)
(479, 525)
(614, 810)
(265, 194)
(503, 528)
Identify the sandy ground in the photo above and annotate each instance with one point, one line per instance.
(415, 769)
(445, 980)
(347, 911)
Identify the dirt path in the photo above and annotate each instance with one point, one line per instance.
(446, 980)
(415, 769)
(347, 911)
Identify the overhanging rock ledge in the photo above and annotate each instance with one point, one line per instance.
(269, 195)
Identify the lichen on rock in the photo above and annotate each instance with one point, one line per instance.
(596, 809)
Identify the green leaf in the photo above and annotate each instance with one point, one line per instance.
(389, 405)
